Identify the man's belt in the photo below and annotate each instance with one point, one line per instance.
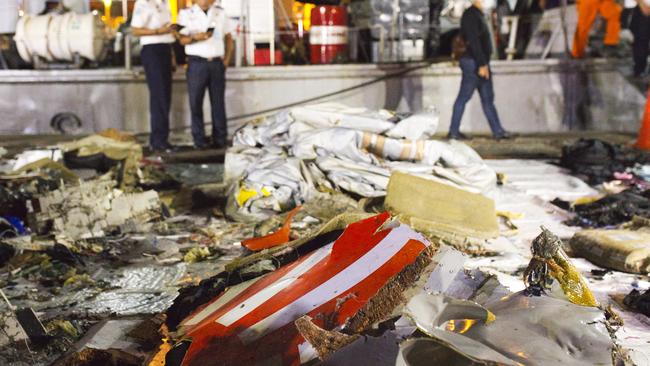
(203, 59)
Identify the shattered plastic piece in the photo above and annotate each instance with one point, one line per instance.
(550, 260)
(281, 236)
(330, 285)
(441, 210)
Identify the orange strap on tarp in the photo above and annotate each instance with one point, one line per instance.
(281, 236)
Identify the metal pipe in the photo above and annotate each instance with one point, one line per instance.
(565, 32)
(127, 37)
(272, 35)
(400, 38)
(382, 44)
(382, 40)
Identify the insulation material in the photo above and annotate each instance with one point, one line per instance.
(332, 285)
(440, 209)
(87, 210)
(330, 146)
(622, 250)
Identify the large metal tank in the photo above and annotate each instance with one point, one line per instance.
(59, 37)
(8, 16)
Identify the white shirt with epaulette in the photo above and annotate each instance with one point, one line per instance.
(195, 20)
(152, 14)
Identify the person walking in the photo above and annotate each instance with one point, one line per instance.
(587, 11)
(206, 35)
(640, 28)
(151, 22)
(475, 66)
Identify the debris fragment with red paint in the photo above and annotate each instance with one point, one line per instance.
(253, 322)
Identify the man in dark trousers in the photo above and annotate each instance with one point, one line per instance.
(475, 65)
(640, 27)
(151, 22)
(209, 47)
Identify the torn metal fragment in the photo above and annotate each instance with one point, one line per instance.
(537, 330)
(333, 285)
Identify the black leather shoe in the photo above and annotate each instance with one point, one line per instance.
(505, 135)
(167, 148)
(220, 145)
(457, 136)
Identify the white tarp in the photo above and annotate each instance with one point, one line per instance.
(281, 161)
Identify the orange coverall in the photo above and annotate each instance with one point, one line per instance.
(587, 11)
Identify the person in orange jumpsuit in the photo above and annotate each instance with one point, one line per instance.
(587, 11)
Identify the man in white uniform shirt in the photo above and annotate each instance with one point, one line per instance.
(209, 47)
(151, 22)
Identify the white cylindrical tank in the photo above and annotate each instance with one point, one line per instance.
(36, 34)
(8, 16)
(19, 37)
(59, 37)
(87, 36)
